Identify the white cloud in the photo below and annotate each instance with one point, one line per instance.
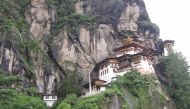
(173, 18)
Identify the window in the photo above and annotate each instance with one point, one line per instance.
(136, 60)
(114, 70)
(53, 97)
(46, 97)
(98, 88)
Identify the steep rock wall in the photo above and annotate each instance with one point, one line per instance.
(117, 19)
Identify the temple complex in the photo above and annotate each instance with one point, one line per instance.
(130, 56)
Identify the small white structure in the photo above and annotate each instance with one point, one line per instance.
(107, 69)
(94, 91)
(49, 100)
(168, 47)
(97, 86)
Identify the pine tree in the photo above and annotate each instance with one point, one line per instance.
(173, 72)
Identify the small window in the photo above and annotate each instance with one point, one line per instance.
(46, 97)
(53, 97)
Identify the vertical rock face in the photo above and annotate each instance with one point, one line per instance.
(129, 17)
(117, 19)
(38, 17)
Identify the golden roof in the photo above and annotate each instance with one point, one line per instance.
(127, 40)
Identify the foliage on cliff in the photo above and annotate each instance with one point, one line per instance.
(173, 72)
(14, 32)
(11, 15)
(72, 81)
(137, 85)
(12, 96)
(66, 17)
(12, 99)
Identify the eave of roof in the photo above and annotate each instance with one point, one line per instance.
(132, 44)
(168, 41)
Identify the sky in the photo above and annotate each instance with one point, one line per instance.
(173, 18)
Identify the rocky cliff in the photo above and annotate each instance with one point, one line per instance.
(112, 21)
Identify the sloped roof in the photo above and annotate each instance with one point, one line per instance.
(132, 44)
(169, 41)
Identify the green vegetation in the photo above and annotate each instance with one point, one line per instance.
(14, 32)
(12, 99)
(137, 85)
(8, 80)
(11, 14)
(66, 16)
(72, 81)
(174, 74)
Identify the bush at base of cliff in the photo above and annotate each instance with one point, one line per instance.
(12, 99)
(132, 91)
(71, 82)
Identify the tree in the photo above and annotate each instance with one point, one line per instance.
(173, 72)
(12, 99)
(72, 81)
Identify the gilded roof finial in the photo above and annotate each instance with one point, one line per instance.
(127, 40)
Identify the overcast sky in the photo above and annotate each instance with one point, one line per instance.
(173, 18)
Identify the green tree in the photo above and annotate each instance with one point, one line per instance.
(67, 18)
(12, 99)
(174, 74)
(72, 81)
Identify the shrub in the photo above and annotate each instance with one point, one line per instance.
(11, 99)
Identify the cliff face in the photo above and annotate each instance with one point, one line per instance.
(117, 19)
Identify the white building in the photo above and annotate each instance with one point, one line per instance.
(107, 70)
(131, 56)
(97, 86)
(49, 100)
(168, 47)
(130, 47)
(142, 63)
